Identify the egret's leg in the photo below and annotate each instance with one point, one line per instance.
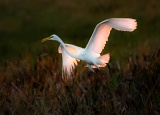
(90, 68)
(96, 65)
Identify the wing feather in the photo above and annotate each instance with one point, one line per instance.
(102, 30)
(68, 62)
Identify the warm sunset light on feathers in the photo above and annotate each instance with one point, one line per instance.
(71, 54)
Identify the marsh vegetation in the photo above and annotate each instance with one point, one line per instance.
(30, 72)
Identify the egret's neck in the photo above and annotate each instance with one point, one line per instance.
(64, 46)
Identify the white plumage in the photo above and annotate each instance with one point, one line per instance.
(68, 62)
(71, 54)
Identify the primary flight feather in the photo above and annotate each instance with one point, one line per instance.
(71, 54)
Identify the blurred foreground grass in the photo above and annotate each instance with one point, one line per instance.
(129, 88)
(30, 82)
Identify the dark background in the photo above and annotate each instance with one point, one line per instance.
(31, 83)
(24, 24)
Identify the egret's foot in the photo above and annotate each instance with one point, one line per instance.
(90, 68)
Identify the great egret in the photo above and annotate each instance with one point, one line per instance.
(91, 53)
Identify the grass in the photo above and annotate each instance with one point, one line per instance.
(30, 82)
(120, 88)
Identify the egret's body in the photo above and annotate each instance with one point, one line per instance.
(91, 53)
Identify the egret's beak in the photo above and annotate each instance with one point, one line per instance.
(45, 39)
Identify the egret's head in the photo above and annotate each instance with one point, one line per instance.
(52, 37)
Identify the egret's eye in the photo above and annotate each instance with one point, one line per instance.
(71, 54)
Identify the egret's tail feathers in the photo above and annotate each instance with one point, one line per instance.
(104, 59)
(101, 62)
(123, 24)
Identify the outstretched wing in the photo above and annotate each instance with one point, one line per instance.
(68, 62)
(102, 31)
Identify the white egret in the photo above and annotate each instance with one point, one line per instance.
(91, 53)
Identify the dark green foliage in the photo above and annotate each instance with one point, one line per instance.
(32, 84)
(24, 23)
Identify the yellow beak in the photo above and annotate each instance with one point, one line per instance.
(45, 39)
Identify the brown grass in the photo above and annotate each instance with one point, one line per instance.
(120, 88)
